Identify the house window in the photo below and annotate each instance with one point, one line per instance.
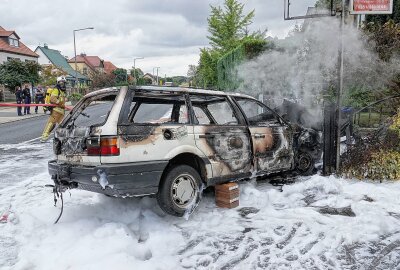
(13, 58)
(13, 42)
(84, 71)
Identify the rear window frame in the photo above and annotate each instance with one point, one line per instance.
(85, 102)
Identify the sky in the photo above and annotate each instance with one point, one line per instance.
(166, 33)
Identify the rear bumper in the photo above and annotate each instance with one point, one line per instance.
(130, 179)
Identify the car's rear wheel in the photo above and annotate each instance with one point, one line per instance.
(179, 191)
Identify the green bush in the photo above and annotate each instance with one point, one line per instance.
(376, 157)
(75, 97)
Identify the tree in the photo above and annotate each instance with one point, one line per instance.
(121, 76)
(14, 73)
(49, 74)
(101, 80)
(228, 26)
(137, 73)
(383, 18)
(207, 69)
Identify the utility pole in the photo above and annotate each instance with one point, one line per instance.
(134, 66)
(340, 88)
(76, 67)
(157, 73)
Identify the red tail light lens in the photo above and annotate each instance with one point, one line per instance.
(108, 146)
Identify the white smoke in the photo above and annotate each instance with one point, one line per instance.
(303, 67)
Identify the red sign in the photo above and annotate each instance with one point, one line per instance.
(372, 6)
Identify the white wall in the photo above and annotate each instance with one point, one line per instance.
(43, 60)
(4, 55)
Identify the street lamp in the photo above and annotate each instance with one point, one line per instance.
(76, 68)
(157, 72)
(134, 66)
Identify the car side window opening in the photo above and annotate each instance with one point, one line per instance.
(94, 112)
(158, 113)
(213, 110)
(201, 116)
(256, 113)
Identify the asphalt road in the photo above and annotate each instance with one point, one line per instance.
(31, 129)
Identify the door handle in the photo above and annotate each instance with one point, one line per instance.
(259, 136)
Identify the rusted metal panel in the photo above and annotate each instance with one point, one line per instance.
(227, 148)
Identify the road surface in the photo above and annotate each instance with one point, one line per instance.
(31, 129)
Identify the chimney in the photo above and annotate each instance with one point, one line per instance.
(45, 46)
(83, 54)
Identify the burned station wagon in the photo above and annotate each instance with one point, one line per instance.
(173, 142)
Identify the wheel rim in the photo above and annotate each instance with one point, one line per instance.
(304, 162)
(183, 190)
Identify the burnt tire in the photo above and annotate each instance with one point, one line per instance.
(305, 163)
(179, 190)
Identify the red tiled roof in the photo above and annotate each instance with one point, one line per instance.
(91, 61)
(5, 46)
(82, 59)
(109, 67)
(95, 61)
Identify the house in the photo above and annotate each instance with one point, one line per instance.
(149, 79)
(87, 64)
(53, 57)
(109, 67)
(11, 47)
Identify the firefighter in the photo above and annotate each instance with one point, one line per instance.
(57, 97)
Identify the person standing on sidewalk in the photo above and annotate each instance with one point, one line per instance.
(27, 99)
(57, 113)
(19, 99)
(39, 97)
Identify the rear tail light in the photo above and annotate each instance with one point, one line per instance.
(105, 146)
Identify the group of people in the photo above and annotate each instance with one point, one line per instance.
(23, 96)
(53, 96)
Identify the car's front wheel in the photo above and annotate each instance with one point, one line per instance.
(179, 191)
(305, 163)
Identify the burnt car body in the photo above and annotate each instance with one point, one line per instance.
(173, 142)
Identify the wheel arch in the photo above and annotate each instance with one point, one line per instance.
(192, 160)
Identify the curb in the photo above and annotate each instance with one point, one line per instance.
(21, 119)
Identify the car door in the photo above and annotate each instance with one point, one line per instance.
(221, 134)
(271, 137)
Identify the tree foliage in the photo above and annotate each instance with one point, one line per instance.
(121, 75)
(102, 80)
(14, 73)
(137, 73)
(384, 18)
(228, 28)
(49, 74)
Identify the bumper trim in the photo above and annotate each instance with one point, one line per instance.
(129, 179)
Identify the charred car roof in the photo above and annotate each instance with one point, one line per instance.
(169, 90)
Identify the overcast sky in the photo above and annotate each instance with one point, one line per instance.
(167, 33)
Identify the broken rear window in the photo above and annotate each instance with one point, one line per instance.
(93, 112)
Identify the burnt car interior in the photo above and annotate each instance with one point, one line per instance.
(256, 114)
(157, 109)
(213, 110)
(83, 116)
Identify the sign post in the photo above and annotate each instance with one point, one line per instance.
(371, 6)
